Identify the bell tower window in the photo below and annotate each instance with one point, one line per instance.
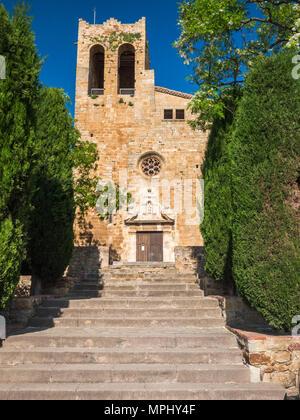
(126, 70)
(96, 75)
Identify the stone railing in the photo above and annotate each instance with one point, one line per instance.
(277, 358)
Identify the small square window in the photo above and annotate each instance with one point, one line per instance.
(180, 114)
(168, 114)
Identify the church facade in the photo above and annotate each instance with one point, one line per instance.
(148, 153)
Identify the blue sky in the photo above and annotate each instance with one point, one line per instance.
(56, 27)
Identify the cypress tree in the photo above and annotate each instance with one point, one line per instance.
(265, 179)
(51, 229)
(18, 93)
(216, 228)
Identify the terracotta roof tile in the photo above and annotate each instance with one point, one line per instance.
(173, 92)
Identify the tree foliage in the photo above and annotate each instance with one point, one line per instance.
(63, 184)
(265, 184)
(222, 37)
(85, 157)
(44, 166)
(18, 93)
(51, 226)
(11, 257)
(216, 228)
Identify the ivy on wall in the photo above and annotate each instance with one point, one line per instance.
(113, 41)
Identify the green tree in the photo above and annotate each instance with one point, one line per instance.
(216, 228)
(265, 183)
(222, 37)
(46, 171)
(65, 184)
(18, 93)
(51, 227)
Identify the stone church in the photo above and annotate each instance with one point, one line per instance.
(146, 148)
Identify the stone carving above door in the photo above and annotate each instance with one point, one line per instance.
(149, 212)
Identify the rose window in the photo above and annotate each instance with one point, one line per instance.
(151, 166)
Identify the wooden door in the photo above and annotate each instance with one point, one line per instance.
(142, 247)
(156, 247)
(149, 246)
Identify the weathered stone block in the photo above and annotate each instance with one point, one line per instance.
(277, 344)
(295, 366)
(286, 379)
(294, 347)
(257, 359)
(282, 367)
(281, 357)
(256, 346)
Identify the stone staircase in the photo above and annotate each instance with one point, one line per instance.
(141, 332)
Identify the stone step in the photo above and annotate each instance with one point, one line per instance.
(143, 392)
(92, 277)
(150, 334)
(88, 287)
(127, 279)
(88, 294)
(150, 287)
(218, 338)
(179, 302)
(85, 294)
(126, 323)
(12, 357)
(121, 276)
(153, 293)
(129, 373)
(129, 313)
(143, 266)
(137, 272)
(139, 269)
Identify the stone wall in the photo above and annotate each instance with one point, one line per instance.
(212, 287)
(276, 357)
(190, 259)
(88, 260)
(239, 314)
(22, 309)
(23, 306)
(23, 287)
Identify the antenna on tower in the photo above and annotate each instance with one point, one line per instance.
(95, 13)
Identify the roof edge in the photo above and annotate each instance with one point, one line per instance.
(173, 92)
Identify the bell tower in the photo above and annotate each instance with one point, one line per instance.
(113, 60)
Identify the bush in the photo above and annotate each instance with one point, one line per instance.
(265, 185)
